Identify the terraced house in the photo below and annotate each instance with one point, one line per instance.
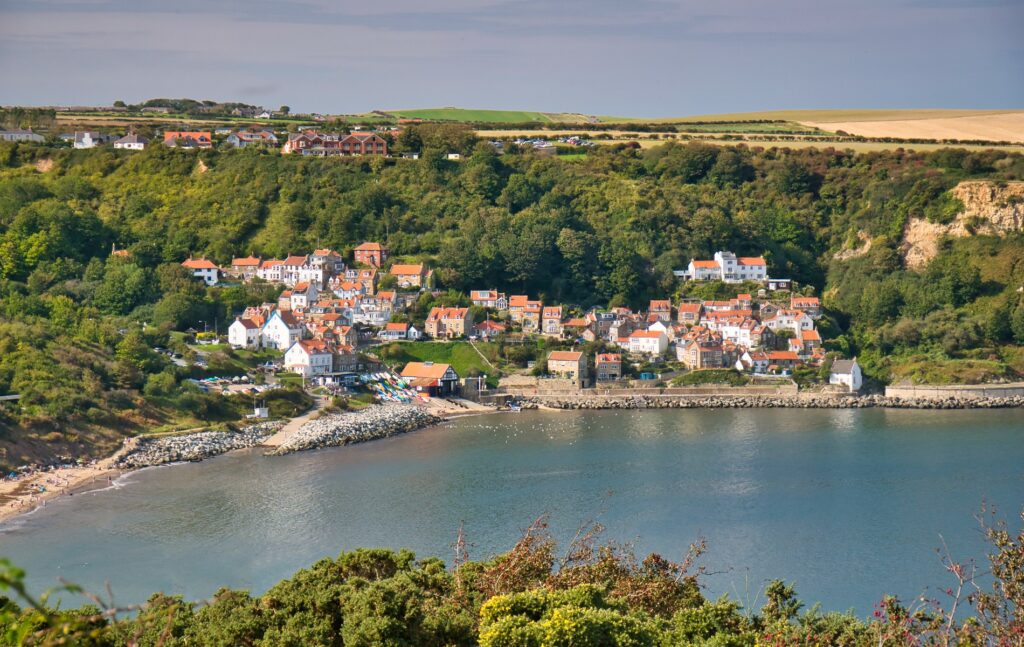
(313, 143)
(448, 323)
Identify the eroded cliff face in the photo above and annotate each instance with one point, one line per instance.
(988, 210)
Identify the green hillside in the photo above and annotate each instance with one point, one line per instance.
(607, 229)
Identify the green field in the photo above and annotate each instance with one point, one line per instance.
(459, 354)
(488, 116)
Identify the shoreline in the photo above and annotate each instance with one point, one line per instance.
(30, 493)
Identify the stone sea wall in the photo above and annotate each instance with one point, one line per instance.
(157, 450)
(770, 402)
(371, 423)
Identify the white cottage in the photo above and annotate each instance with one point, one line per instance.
(243, 333)
(280, 331)
(309, 357)
(846, 372)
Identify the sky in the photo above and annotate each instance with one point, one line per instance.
(642, 58)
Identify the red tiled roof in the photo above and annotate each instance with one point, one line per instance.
(605, 358)
(198, 264)
(249, 261)
(565, 356)
(750, 260)
(705, 264)
(424, 370)
(369, 247)
(646, 334)
(406, 270)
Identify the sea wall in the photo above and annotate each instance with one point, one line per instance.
(145, 451)
(963, 391)
(770, 402)
(371, 423)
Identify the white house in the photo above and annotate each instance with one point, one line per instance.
(243, 333)
(400, 331)
(303, 295)
(280, 331)
(728, 267)
(89, 139)
(648, 342)
(790, 320)
(131, 142)
(203, 269)
(489, 299)
(309, 357)
(847, 373)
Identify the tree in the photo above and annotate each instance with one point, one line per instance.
(284, 110)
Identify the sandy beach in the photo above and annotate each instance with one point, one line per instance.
(34, 490)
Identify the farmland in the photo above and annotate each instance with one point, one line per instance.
(488, 116)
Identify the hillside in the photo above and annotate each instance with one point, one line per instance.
(606, 228)
(470, 115)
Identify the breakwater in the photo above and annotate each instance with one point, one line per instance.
(157, 450)
(770, 402)
(371, 423)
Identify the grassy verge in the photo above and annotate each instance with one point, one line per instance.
(711, 376)
(461, 355)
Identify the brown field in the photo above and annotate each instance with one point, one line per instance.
(1007, 126)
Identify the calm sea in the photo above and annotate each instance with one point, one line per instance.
(847, 504)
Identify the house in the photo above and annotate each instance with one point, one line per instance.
(302, 269)
(245, 268)
(793, 320)
(313, 143)
(346, 335)
(448, 323)
(188, 139)
(575, 327)
(329, 261)
(131, 142)
(244, 333)
(608, 366)
(846, 372)
(409, 276)
(348, 289)
(399, 332)
(308, 358)
(20, 135)
(648, 342)
(531, 316)
(89, 139)
(783, 359)
(202, 269)
(551, 321)
(729, 268)
(810, 340)
(372, 311)
(755, 361)
(516, 305)
(373, 254)
(489, 299)
(662, 309)
(244, 138)
(433, 379)
(303, 295)
(270, 270)
(280, 331)
(699, 354)
(810, 305)
(569, 364)
(488, 329)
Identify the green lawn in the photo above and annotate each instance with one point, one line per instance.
(459, 354)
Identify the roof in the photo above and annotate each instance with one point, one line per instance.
(425, 369)
(552, 311)
(199, 135)
(810, 335)
(843, 366)
(271, 262)
(249, 324)
(407, 269)
(565, 356)
(294, 260)
(490, 325)
(743, 297)
(402, 327)
(198, 264)
(245, 262)
(804, 301)
(751, 260)
(576, 322)
(132, 138)
(706, 264)
(689, 307)
(657, 304)
(604, 358)
(646, 334)
(518, 300)
(313, 346)
(369, 247)
(447, 313)
(783, 354)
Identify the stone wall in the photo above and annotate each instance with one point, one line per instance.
(966, 391)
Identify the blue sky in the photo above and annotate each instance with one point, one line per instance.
(614, 57)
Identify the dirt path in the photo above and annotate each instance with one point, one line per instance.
(295, 424)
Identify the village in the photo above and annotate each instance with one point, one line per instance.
(335, 312)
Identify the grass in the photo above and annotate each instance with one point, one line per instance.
(921, 369)
(485, 116)
(459, 354)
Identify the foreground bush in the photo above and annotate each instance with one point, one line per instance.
(592, 596)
